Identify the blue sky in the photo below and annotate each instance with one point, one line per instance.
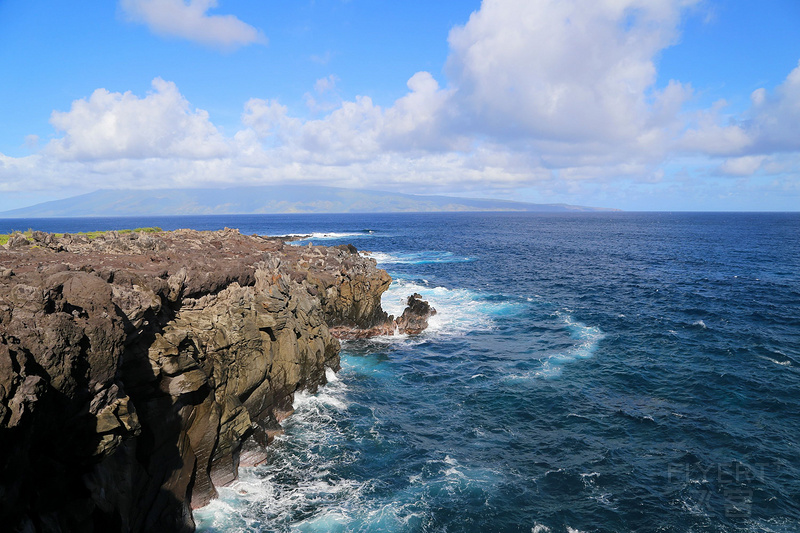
(634, 104)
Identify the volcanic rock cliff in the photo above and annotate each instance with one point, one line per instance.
(134, 368)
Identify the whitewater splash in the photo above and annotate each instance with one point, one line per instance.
(297, 480)
(311, 482)
(462, 311)
(458, 311)
(415, 258)
(305, 238)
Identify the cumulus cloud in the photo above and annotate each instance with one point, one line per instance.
(569, 81)
(326, 97)
(157, 140)
(712, 135)
(771, 125)
(325, 84)
(775, 126)
(566, 70)
(123, 126)
(742, 166)
(190, 20)
(419, 120)
(560, 96)
(347, 134)
(269, 118)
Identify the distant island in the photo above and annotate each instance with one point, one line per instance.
(268, 200)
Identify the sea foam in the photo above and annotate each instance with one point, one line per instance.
(584, 341)
(297, 480)
(458, 311)
(415, 258)
(305, 238)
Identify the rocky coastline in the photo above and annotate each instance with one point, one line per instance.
(138, 371)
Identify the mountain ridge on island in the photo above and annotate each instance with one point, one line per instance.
(269, 199)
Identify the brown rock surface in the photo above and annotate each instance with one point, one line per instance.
(135, 367)
(415, 317)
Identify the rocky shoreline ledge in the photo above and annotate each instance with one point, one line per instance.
(137, 371)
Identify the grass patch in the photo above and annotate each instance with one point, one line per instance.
(88, 234)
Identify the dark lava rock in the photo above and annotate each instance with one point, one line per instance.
(415, 316)
(134, 369)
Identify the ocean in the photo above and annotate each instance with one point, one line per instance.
(586, 372)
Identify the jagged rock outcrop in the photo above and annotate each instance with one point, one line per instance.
(135, 367)
(414, 319)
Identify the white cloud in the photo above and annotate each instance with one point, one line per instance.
(770, 126)
(16, 171)
(269, 118)
(32, 141)
(555, 95)
(327, 97)
(566, 70)
(123, 126)
(418, 120)
(713, 136)
(190, 20)
(347, 134)
(742, 166)
(535, 86)
(325, 84)
(775, 124)
(121, 140)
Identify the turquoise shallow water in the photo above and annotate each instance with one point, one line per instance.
(586, 372)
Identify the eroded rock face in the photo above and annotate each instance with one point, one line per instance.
(134, 368)
(414, 319)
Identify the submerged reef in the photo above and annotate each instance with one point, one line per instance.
(139, 370)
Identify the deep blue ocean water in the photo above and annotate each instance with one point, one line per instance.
(586, 372)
